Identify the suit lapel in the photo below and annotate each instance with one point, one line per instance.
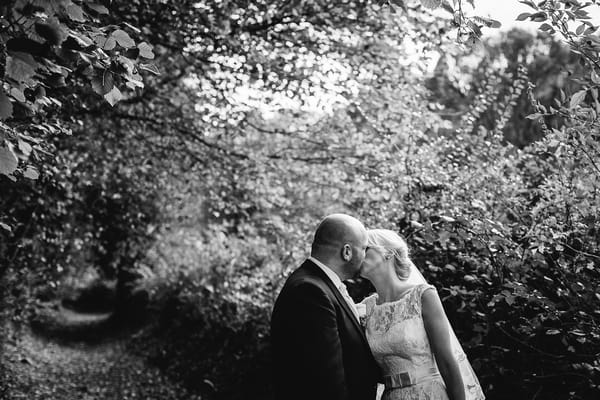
(339, 298)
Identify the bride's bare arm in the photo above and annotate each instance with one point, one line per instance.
(436, 326)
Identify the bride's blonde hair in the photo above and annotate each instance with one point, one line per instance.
(391, 244)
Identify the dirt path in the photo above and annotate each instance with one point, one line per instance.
(35, 368)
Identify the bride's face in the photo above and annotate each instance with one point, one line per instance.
(374, 261)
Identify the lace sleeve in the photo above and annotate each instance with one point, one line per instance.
(419, 290)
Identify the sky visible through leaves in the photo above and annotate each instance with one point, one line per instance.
(506, 11)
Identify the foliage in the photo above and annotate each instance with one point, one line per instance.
(51, 53)
(519, 286)
(214, 311)
(100, 213)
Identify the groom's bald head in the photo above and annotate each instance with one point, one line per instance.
(337, 229)
(340, 240)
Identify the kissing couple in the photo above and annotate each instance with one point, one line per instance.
(321, 351)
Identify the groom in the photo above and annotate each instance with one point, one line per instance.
(320, 351)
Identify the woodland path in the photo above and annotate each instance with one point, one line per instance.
(35, 367)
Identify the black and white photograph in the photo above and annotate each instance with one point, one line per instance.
(299, 200)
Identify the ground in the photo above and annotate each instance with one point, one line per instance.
(35, 366)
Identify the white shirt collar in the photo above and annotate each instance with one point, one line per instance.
(338, 284)
(328, 271)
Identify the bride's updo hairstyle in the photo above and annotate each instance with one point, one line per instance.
(391, 245)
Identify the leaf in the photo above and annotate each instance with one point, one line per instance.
(582, 14)
(134, 81)
(399, 3)
(523, 16)
(580, 29)
(18, 69)
(126, 63)
(18, 95)
(8, 161)
(133, 84)
(529, 3)
(31, 173)
(50, 33)
(447, 219)
(82, 40)
(6, 107)
(103, 83)
(114, 96)
(150, 68)
(577, 98)
(56, 80)
(539, 17)
(146, 50)
(5, 227)
(109, 44)
(416, 225)
(551, 332)
(490, 23)
(431, 4)
(99, 8)
(495, 23)
(75, 13)
(446, 6)
(534, 116)
(24, 147)
(450, 267)
(123, 38)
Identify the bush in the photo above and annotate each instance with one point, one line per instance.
(518, 276)
(214, 311)
(96, 216)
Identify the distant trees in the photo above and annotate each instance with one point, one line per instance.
(97, 195)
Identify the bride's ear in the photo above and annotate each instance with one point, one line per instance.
(347, 252)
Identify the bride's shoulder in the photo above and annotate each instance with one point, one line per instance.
(423, 287)
(418, 289)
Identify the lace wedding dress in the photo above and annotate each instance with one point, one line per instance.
(398, 340)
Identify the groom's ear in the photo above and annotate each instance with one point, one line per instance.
(347, 252)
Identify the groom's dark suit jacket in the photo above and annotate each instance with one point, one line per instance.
(319, 348)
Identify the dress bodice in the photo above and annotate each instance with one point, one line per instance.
(396, 332)
(398, 340)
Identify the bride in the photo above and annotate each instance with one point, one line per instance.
(408, 331)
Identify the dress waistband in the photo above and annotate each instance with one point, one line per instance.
(409, 378)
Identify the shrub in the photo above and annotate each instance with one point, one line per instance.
(214, 306)
(96, 216)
